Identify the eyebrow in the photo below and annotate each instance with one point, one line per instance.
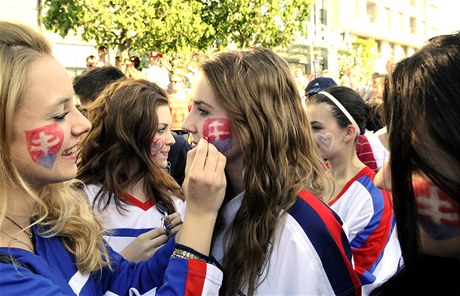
(200, 102)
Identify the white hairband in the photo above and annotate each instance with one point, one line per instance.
(342, 108)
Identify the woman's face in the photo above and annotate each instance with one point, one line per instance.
(47, 126)
(208, 120)
(161, 144)
(326, 132)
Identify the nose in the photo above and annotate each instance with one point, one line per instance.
(81, 124)
(187, 125)
(170, 139)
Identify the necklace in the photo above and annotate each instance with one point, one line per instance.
(19, 226)
(15, 239)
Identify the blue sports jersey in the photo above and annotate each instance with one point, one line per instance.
(52, 271)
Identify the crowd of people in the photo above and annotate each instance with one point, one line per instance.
(273, 194)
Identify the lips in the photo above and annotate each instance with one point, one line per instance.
(70, 151)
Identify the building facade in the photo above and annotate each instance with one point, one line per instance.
(399, 27)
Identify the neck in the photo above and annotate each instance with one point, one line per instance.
(235, 175)
(138, 191)
(342, 170)
(20, 204)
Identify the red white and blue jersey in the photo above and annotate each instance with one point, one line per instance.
(52, 272)
(310, 253)
(367, 214)
(125, 225)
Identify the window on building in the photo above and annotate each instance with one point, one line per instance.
(371, 10)
(401, 25)
(413, 25)
(387, 16)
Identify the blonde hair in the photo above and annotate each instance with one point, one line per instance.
(257, 90)
(59, 208)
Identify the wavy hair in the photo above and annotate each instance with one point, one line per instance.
(59, 210)
(258, 92)
(125, 121)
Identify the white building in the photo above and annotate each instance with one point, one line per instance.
(399, 27)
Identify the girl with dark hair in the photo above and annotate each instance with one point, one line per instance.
(274, 236)
(338, 116)
(422, 103)
(123, 161)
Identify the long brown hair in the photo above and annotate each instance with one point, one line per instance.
(258, 92)
(124, 123)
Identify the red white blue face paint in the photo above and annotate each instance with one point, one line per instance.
(218, 131)
(156, 146)
(44, 143)
(439, 215)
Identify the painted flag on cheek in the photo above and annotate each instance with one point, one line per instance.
(439, 214)
(219, 133)
(44, 143)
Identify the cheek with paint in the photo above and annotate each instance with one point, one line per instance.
(325, 141)
(439, 215)
(156, 146)
(44, 143)
(218, 131)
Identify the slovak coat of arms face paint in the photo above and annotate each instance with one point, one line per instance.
(44, 143)
(218, 131)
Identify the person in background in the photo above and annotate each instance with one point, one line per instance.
(274, 236)
(89, 85)
(122, 162)
(421, 103)
(363, 147)
(133, 68)
(102, 53)
(91, 62)
(155, 72)
(51, 243)
(337, 116)
(179, 103)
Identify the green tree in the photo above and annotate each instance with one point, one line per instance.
(256, 22)
(361, 57)
(177, 25)
(167, 26)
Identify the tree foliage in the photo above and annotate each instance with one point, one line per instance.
(177, 25)
(361, 57)
(171, 25)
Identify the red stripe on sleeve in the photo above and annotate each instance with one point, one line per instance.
(195, 278)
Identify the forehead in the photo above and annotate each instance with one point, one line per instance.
(48, 84)
(318, 111)
(163, 114)
(202, 92)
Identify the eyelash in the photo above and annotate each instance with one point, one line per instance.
(60, 117)
(203, 112)
(316, 128)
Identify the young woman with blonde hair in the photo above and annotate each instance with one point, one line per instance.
(50, 241)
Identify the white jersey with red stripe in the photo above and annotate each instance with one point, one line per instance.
(367, 214)
(310, 252)
(125, 225)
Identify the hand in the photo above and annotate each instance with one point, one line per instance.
(176, 223)
(145, 245)
(205, 183)
(204, 188)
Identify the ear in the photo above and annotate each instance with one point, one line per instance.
(351, 133)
